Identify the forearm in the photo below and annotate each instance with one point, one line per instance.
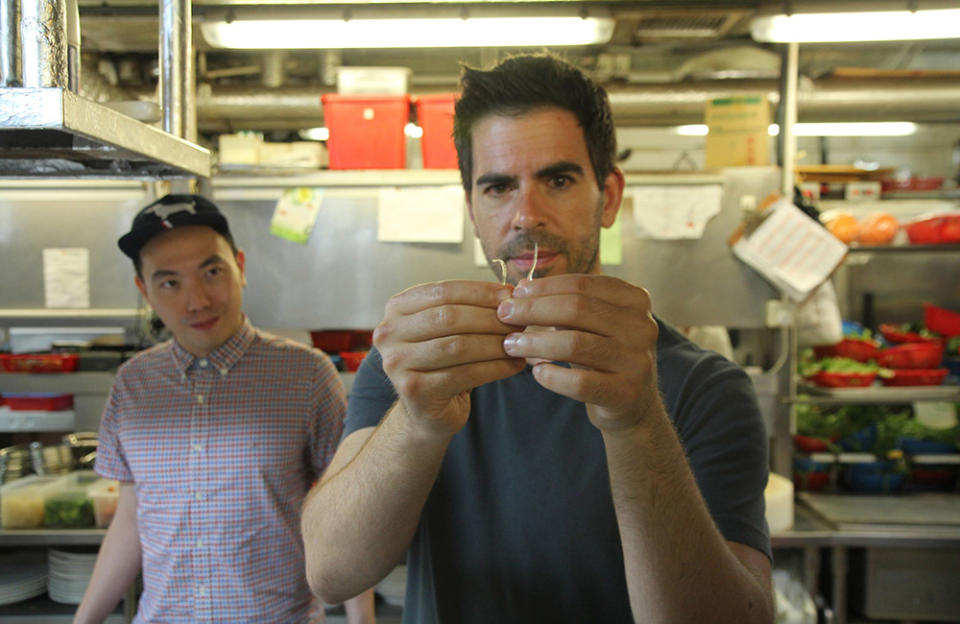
(359, 521)
(678, 566)
(117, 565)
(360, 609)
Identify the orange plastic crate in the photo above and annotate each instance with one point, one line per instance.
(435, 116)
(366, 131)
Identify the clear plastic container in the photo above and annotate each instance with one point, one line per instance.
(22, 502)
(66, 504)
(105, 493)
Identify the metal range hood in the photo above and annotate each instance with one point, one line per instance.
(48, 130)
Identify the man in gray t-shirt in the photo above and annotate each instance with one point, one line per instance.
(545, 449)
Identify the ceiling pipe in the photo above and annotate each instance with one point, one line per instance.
(225, 108)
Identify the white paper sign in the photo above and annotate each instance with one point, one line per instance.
(791, 250)
(674, 212)
(66, 278)
(421, 215)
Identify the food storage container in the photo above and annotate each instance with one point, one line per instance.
(38, 363)
(47, 401)
(859, 350)
(941, 320)
(105, 494)
(916, 355)
(66, 504)
(916, 377)
(21, 502)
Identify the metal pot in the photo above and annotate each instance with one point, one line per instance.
(14, 463)
(51, 459)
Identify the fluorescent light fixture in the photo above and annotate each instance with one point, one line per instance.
(853, 26)
(863, 129)
(408, 33)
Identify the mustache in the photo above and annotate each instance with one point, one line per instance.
(524, 242)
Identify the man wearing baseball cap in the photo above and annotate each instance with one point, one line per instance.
(215, 437)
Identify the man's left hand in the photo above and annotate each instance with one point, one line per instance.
(604, 329)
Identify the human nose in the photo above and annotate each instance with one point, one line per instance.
(197, 298)
(531, 210)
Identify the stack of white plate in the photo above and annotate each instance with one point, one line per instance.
(23, 575)
(69, 575)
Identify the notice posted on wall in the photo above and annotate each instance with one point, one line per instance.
(66, 278)
(421, 215)
(674, 212)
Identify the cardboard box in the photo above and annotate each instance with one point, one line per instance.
(239, 149)
(738, 132)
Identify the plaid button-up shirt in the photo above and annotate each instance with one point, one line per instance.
(222, 451)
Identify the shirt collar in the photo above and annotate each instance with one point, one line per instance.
(223, 357)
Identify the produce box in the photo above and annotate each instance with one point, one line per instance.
(105, 494)
(21, 502)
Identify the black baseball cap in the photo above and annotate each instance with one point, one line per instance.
(168, 212)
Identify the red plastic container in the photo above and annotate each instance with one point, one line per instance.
(366, 131)
(859, 350)
(918, 355)
(941, 320)
(39, 363)
(435, 116)
(332, 341)
(809, 444)
(38, 401)
(936, 230)
(843, 380)
(892, 333)
(916, 377)
(352, 359)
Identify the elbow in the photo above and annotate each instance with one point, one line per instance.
(321, 582)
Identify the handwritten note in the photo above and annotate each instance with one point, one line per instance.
(66, 278)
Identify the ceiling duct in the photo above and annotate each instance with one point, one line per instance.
(680, 25)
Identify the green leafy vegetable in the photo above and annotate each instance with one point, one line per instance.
(68, 511)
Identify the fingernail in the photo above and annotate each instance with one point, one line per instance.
(511, 342)
(521, 290)
(505, 309)
(504, 293)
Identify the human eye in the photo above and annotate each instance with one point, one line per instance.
(560, 181)
(496, 190)
(167, 284)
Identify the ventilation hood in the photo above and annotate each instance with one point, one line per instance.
(53, 132)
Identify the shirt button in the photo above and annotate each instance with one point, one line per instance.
(223, 372)
(200, 398)
(202, 590)
(204, 363)
(198, 495)
(199, 543)
(183, 377)
(198, 447)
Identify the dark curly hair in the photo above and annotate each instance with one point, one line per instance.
(520, 84)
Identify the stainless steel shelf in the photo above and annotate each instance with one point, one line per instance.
(67, 383)
(875, 394)
(51, 537)
(53, 132)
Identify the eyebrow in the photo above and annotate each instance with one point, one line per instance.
(546, 172)
(165, 273)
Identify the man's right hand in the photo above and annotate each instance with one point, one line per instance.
(438, 342)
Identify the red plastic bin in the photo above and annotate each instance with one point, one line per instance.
(923, 355)
(39, 362)
(941, 320)
(366, 131)
(38, 401)
(916, 377)
(435, 116)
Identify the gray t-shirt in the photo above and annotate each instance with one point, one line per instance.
(520, 525)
